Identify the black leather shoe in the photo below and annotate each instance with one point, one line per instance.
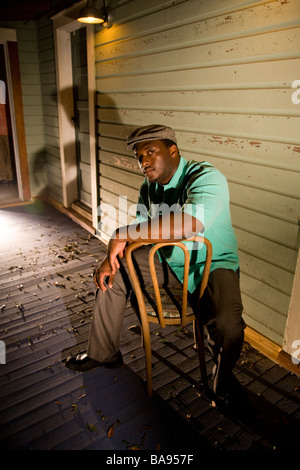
(82, 362)
(237, 402)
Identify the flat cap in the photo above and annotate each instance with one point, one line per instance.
(152, 132)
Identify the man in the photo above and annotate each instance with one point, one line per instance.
(199, 194)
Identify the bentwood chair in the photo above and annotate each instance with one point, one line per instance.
(168, 306)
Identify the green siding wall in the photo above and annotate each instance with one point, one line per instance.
(49, 103)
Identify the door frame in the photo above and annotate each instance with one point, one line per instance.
(8, 37)
(63, 25)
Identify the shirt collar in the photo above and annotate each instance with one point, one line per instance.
(175, 180)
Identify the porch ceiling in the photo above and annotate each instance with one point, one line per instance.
(32, 9)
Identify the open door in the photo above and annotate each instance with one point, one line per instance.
(14, 174)
(8, 177)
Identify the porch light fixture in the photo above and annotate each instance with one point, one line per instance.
(92, 15)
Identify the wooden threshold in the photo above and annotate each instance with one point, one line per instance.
(271, 350)
(14, 202)
(11, 202)
(77, 207)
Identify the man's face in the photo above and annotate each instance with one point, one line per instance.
(156, 160)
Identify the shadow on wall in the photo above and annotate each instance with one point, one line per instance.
(107, 112)
(38, 173)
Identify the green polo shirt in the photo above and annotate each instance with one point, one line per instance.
(199, 189)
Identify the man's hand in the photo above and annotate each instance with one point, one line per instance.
(115, 248)
(102, 272)
(110, 265)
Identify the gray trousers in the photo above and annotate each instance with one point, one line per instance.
(220, 309)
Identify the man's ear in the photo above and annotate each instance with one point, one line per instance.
(173, 151)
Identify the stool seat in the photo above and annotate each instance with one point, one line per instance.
(171, 300)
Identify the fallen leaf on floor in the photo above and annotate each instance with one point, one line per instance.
(59, 284)
(135, 446)
(111, 430)
(91, 427)
(135, 329)
(20, 306)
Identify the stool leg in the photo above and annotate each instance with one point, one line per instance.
(194, 332)
(148, 354)
(200, 342)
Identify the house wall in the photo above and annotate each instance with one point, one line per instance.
(32, 102)
(220, 73)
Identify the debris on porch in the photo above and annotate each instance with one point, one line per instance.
(46, 300)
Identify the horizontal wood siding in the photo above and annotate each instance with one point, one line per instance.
(220, 73)
(49, 101)
(32, 102)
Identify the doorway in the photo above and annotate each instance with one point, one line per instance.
(81, 119)
(75, 73)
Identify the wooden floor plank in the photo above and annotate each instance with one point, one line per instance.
(46, 300)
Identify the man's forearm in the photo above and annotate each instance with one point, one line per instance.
(171, 227)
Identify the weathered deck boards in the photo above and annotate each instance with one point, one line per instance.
(46, 299)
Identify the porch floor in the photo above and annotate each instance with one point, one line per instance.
(46, 300)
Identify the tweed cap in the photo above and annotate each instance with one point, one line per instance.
(152, 132)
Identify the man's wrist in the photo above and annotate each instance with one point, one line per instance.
(120, 234)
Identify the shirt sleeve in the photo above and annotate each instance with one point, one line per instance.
(206, 196)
